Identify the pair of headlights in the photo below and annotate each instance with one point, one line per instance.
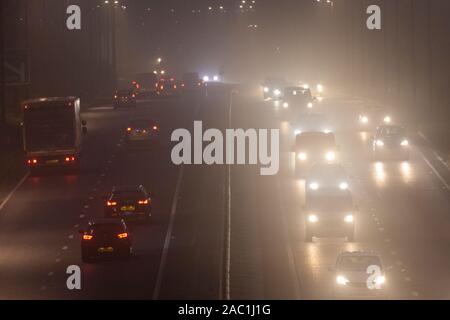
(312, 218)
(343, 281)
(315, 186)
(380, 143)
(329, 156)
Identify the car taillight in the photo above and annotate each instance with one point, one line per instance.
(143, 201)
(129, 129)
(182, 84)
(87, 237)
(116, 96)
(111, 203)
(133, 95)
(122, 235)
(32, 161)
(69, 159)
(155, 128)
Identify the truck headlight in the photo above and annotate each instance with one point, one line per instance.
(313, 218)
(314, 186)
(349, 218)
(341, 280)
(380, 143)
(405, 143)
(343, 186)
(387, 119)
(302, 156)
(330, 156)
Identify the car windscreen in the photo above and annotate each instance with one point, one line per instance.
(357, 263)
(128, 194)
(393, 132)
(331, 203)
(315, 142)
(142, 124)
(124, 93)
(48, 128)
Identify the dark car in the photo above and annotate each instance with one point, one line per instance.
(390, 141)
(129, 202)
(106, 237)
(330, 216)
(142, 132)
(168, 87)
(124, 98)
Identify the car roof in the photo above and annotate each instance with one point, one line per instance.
(49, 101)
(128, 188)
(100, 221)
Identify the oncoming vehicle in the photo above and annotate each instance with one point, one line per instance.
(326, 179)
(52, 133)
(330, 216)
(314, 147)
(142, 132)
(311, 122)
(390, 141)
(273, 88)
(298, 98)
(371, 116)
(106, 237)
(124, 98)
(359, 275)
(129, 202)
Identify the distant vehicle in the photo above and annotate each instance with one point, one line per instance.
(298, 98)
(106, 237)
(145, 84)
(314, 147)
(330, 216)
(191, 81)
(168, 87)
(359, 275)
(273, 88)
(142, 132)
(311, 122)
(371, 116)
(326, 179)
(124, 98)
(52, 132)
(130, 203)
(390, 141)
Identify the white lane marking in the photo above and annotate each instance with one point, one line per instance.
(168, 237)
(435, 171)
(9, 196)
(82, 216)
(65, 247)
(71, 236)
(227, 272)
(290, 251)
(434, 152)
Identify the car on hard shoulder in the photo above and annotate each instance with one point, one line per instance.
(106, 238)
(129, 203)
(124, 98)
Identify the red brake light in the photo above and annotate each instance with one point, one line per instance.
(143, 201)
(129, 129)
(115, 96)
(32, 161)
(133, 95)
(122, 235)
(155, 128)
(87, 237)
(111, 203)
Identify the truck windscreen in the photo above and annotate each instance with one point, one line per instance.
(49, 128)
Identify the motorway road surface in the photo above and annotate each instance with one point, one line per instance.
(404, 215)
